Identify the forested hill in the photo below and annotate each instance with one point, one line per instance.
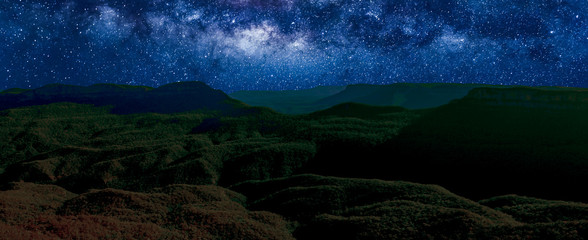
(495, 164)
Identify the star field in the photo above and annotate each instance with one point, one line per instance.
(291, 44)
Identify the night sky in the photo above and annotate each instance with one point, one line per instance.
(292, 44)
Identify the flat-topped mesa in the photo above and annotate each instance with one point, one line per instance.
(551, 98)
(184, 86)
(170, 98)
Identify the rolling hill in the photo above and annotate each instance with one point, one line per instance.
(194, 163)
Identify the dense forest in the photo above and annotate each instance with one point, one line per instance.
(185, 161)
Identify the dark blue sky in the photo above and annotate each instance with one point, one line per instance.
(289, 44)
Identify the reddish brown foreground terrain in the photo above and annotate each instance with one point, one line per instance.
(309, 207)
(33, 211)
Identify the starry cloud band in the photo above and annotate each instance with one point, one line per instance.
(277, 44)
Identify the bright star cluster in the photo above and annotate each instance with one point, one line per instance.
(291, 44)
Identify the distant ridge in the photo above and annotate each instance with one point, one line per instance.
(528, 97)
(289, 101)
(406, 95)
(125, 99)
(358, 110)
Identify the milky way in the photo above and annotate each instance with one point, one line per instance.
(291, 44)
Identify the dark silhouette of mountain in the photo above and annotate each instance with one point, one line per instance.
(175, 97)
(289, 101)
(407, 95)
(540, 98)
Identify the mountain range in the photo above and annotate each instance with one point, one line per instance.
(185, 161)
(407, 95)
(175, 97)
